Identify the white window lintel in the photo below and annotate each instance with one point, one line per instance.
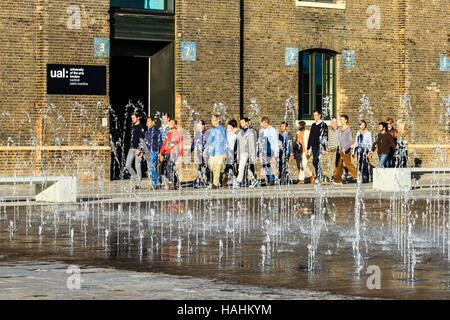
(339, 5)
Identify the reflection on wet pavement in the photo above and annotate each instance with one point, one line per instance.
(255, 242)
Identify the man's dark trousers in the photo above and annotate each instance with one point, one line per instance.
(316, 162)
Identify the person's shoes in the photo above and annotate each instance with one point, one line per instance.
(254, 183)
(337, 183)
(301, 182)
(312, 179)
(271, 182)
(136, 187)
(214, 186)
(351, 180)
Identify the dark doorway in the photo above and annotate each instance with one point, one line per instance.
(141, 79)
(129, 92)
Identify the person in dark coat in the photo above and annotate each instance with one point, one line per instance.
(317, 142)
(286, 154)
(137, 134)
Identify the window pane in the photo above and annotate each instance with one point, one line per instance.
(304, 84)
(155, 4)
(305, 104)
(318, 62)
(319, 80)
(140, 4)
(328, 86)
(305, 64)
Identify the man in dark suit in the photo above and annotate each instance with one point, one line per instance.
(318, 141)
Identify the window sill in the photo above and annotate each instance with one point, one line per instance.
(340, 6)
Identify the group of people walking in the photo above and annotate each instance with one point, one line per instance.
(228, 156)
(160, 148)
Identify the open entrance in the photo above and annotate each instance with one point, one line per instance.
(141, 79)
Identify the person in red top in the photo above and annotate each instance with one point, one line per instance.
(171, 150)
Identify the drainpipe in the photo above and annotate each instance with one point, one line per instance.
(241, 60)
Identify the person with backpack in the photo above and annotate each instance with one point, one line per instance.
(171, 151)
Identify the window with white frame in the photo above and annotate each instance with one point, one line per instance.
(317, 83)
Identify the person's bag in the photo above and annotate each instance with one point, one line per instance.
(146, 154)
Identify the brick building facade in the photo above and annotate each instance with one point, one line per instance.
(380, 50)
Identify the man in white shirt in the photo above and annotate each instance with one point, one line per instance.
(362, 147)
(300, 155)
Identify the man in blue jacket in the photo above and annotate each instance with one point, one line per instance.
(199, 145)
(150, 148)
(217, 148)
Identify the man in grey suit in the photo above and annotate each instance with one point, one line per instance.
(246, 150)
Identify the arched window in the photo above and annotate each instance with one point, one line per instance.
(317, 83)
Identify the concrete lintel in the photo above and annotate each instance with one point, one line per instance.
(64, 190)
(392, 179)
(340, 6)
